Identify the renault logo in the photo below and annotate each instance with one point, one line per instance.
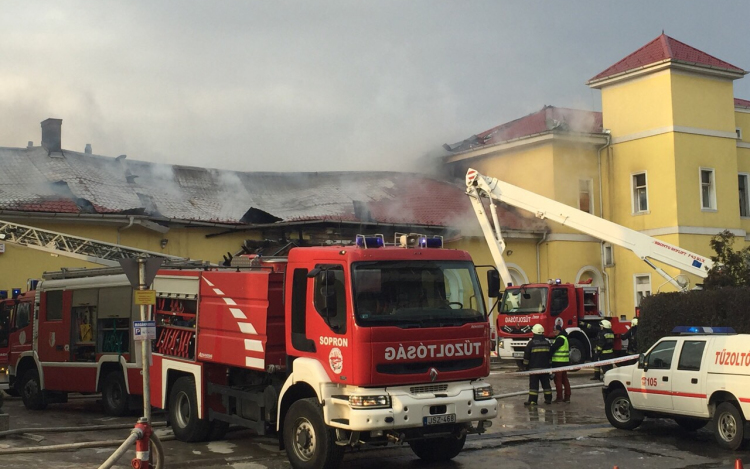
(433, 374)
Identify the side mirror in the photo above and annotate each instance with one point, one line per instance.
(642, 362)
(493, 283)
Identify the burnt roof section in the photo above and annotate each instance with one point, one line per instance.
(548, 119)
(80, 183)
(665, 48)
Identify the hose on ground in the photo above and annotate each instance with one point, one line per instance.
(523, 393)
(156, 451)
(126, 445)
(118, 426)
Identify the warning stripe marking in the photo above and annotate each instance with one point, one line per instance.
(229, 301)
(247, 328)
(218, 292)
(255, 362)
(237, 313)
(253, 345)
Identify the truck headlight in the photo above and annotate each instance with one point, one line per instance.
(483, 393)
(501, 343)
(370, 402)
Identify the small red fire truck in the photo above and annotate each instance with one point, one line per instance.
(331, 347)
(574, 307)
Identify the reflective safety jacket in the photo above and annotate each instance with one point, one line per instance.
(537, 353)
(605, 342)
(560, 350)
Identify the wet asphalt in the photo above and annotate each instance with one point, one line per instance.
(572, 435)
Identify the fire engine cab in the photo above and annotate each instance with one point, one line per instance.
(698, 376)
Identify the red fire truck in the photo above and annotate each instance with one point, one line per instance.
(15, 333)
(574, 307)
(331, 347)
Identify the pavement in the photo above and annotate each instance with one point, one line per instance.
(566, 435)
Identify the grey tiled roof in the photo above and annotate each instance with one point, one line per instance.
(32, 180)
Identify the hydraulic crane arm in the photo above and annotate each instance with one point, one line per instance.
(76, 247)
(643, 246)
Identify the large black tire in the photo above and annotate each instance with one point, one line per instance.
(31, 391)
(729, 426)
(438, 449)
(578, 353)
(620, 412)
(115, 396)
(309, 443)
(183, 412)
(690, 424)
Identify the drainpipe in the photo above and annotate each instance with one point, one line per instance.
(124, 228)
(538, 267)
(601, 214)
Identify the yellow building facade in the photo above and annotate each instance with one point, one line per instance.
(665, 157)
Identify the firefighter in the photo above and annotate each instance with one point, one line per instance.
(561, 357)
(537, 357)
(605, 342)
(632, 337)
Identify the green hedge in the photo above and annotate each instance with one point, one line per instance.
(663, 312)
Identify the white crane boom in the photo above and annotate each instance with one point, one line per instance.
(643, 246)
(76, 247)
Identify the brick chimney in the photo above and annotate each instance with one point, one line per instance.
(52, 135)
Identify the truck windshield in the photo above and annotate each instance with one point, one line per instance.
(524, 300)
(416, 294)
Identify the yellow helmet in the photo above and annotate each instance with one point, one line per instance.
(606, 324)
(634, 322)
(537, 329)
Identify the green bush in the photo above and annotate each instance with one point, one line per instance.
(726, 307)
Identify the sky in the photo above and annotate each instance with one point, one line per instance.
(324, 85)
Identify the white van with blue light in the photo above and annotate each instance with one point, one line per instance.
(697, 376)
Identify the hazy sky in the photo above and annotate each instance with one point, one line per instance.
(320, 85)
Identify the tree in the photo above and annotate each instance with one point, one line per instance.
(731, 268)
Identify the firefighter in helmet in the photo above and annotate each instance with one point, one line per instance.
(537, 357)
(632, 337)
(604, 350)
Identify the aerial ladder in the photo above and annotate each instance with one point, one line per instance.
(645, 247)
(97, 252)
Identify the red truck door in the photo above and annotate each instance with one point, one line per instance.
(54, 326)
(20, 332)
(6, 313)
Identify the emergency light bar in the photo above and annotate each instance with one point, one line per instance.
(416, 240)
(369, 242)
(702, 330)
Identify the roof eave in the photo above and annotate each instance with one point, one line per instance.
(664, 65)
(534, 139)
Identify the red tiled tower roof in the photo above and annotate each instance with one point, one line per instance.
(741, 103)
(665, 48)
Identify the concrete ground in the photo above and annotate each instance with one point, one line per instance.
(574, 435)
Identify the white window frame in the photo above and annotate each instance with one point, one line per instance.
(747, 194)
(590, 189)
(639, 288)
(608, 255)
(711, 189)
(634, 196)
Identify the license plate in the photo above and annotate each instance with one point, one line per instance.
(517, 354)
(439, 419)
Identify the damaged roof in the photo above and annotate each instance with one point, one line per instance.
(548, 119)
(68, 182)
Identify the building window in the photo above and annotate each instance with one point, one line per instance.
(642, 288)
(708, 189)
(609, 255)
(742, 189)
(739, 133)
(585, 198)
(640, 194)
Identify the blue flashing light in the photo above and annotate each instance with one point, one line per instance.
(3, 294)
(369, 242)
(425, 242)
(702, 330)
(16, 292)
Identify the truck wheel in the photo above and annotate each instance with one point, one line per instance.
(620, 411)
(438, 449)
(577, 352)
(690, 424)
(183, 412)
(31, 391)
(728, 426)
(309, 443)
(114, 394)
